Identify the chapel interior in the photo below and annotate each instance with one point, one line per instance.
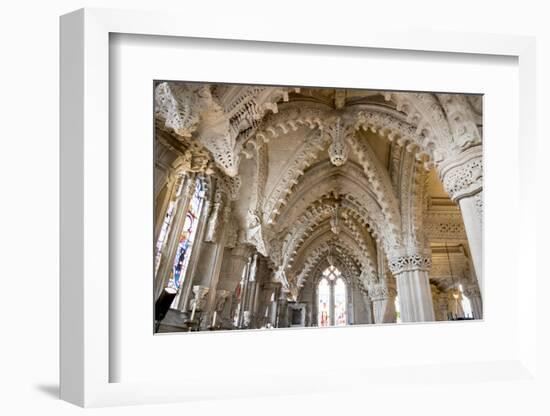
(278, 207)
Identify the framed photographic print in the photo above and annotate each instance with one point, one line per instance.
(280, 210)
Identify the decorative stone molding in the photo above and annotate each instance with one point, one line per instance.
(409, 262)
(254, 233)
(180, 105)
(222, 118)
(381, 291)
(463, 175)
(338, 150)
(461, 120)
(425, 112)
(199, 299)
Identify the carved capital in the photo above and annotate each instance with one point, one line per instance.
(462, 176)
(382, 292)
(409, 262)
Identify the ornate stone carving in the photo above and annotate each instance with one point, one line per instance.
(381, 291)
(200, 292)
(461, 120)
(409, 262)
(463, 175)
(180, 105)
(338, 150)
(254, 232)
(215, 218)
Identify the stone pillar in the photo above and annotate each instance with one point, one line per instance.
(166, 265)
(233, 264)
(368, 318)
(282, 309)
(331, 303)
(462, 178)
(219, 306)
(383, 296)
(473, 293)
(413, 286)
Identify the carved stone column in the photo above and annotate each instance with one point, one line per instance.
(369, 310)
(282, 309)
(413, 286)
(462, 178)
(233, 265)
(383, 296)
(474, 295)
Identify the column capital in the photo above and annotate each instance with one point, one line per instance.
(382, 292)
(399, 263)
(462, 175)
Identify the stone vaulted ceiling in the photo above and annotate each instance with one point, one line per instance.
(317, 172)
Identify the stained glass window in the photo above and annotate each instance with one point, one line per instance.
(324, 303)
(340, 314)
(166, 224)
(187, 237)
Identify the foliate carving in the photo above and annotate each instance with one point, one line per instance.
(338, 150)
(200, 293)
(424, 111)
(461, 119)
(254, 232)
(215, 219)
(231, 186)
(407, 263)
(381, 291)
(180, 105)
(463, 176)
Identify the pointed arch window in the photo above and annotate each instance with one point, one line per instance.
(332, 298)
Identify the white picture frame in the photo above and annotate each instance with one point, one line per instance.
(86, 351)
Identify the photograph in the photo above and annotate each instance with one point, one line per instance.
(293, 207)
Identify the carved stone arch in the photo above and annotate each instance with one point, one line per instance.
(323, 235)
(321, 219)
(412, 195)
(354, 191)
(424, 111)
(319, 255)
(342, 263)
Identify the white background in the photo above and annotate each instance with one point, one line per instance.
(29, 209)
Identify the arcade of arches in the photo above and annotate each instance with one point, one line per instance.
(297, 207)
